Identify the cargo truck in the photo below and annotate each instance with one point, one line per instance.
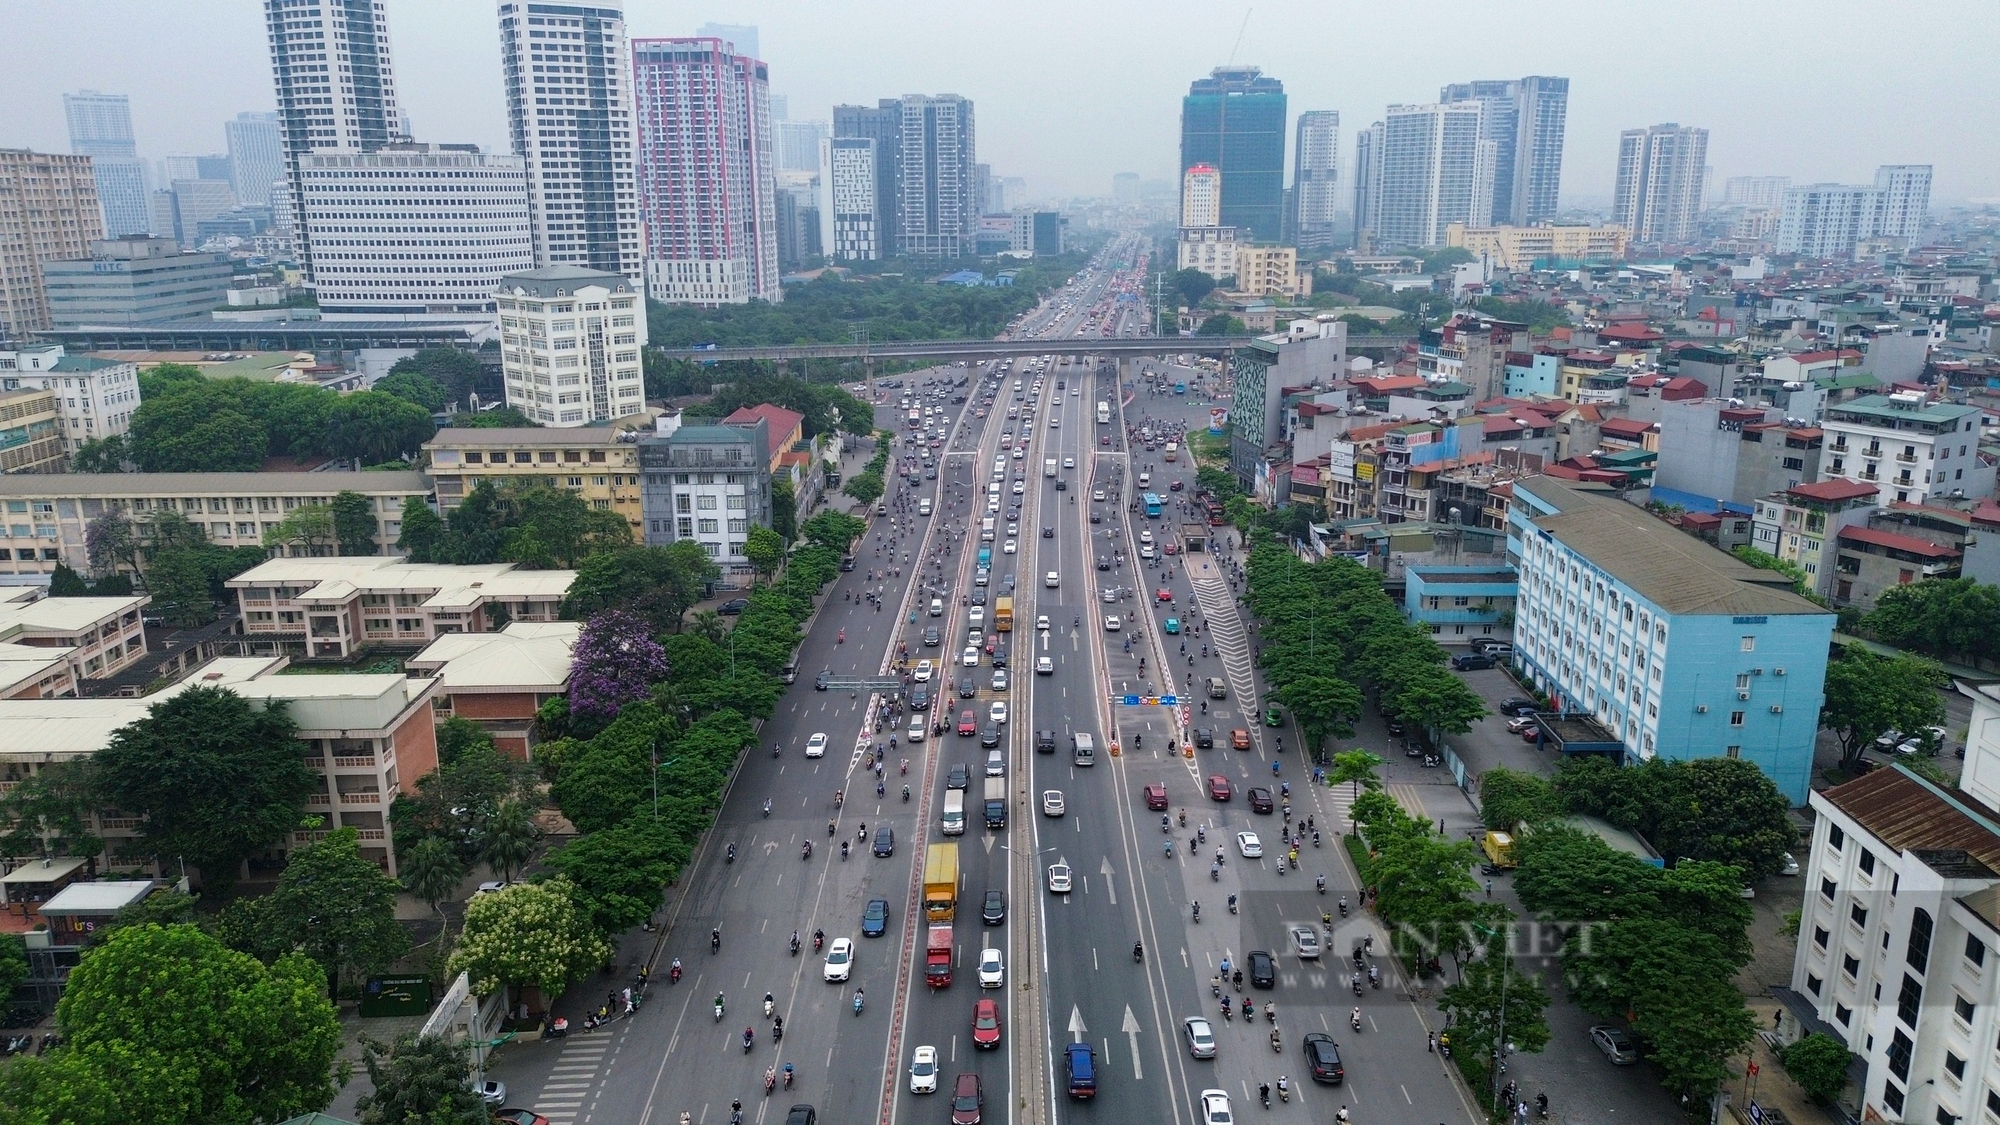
(937, 955)
(941, 882)
(996, 802)
(1003, 613)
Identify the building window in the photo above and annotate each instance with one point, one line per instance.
(1857, 914)
(1749, 644)
(1812, 984)
(1867, 862)
(1733, 752)
(1851, 965)
(1736, 718)
(1962, 1008)
(1975, 950)
(1892, 1094)
(1820, 936)
(1909, 999)
(1835, 838)
(1918, 952)
(1842, 1014)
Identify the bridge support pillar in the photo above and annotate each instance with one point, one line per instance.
(868, 373)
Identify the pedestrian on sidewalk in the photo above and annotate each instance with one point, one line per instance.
(1430, 1042)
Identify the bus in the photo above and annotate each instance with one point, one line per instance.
(916, 418)
(1171, 450)
(1153, 503)
(1103, 413)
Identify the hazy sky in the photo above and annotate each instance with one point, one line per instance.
(1070, 91)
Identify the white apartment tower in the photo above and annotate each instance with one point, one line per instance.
(567, 69)
(1904, 205)
(1201, 196)
(707, 188)
(569, 344)
(100, 127)
(937, 206)
(1755, 191)
(1367, 178)
(256, 156)
(1437, 168)
(849, 199)
(336, 86)
(1826, 220)
(1315, 179)
(1661, 173)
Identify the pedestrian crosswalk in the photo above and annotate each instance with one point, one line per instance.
(1338, 802)
(573, 1079)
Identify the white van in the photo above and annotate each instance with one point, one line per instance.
(1083, 750)
(953, 821)
(976, 619)
(937, 607)
(924, 506)
(986, 530)
(1049, 467)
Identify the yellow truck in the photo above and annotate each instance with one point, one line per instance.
(1003, 613)
(1499, 848)
(941, 882)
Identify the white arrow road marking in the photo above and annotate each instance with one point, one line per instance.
(1076, 1028)
(1110, 886)
(1131, 1030)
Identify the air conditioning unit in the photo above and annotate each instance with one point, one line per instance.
(1756, 671)
(1777, 671)
(1777, 708)
(1742, 695)
(1701, 708)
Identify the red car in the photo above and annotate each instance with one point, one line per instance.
(967, 725)
(1218, 787)
(1156, 797)
(1164, 594)
(1171, 549)
(1105, 440)
(992, 642)
(1177, 486)
(986, 1024)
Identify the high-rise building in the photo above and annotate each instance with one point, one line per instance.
(1006, 194)
(100, 127)
(568, 75)
(741, 36)
(336, 87)
(48, 212)
(197, 201)
(130, 280)
(1201, 196)
(569, 344)
(883, 124)
(1315, 178)
(412, 227)
(937, 215)
(707, 191)
(1367, 179)
(982, 187)
(1525, 120)
(1125, 187)
(798, 145)
(1826, 220)
(1755, 191)
(256, 156)
(850, 206)
(1436, 169)
(1905, 203)
(1660, 179)
(798, 222)
(1235, 120)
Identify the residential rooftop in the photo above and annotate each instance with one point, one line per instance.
(210, 484)
(526, 655)
(450, 586)
(1885, 408)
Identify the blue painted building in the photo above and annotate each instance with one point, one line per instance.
(1542, 375)
(1681, 650)
(1459, 603)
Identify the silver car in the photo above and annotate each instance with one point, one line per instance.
(1200, 1037)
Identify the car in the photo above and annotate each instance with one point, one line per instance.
(1204, 738)
(989, 735)
(1263, 969)
(1260, 799)
(1239, 739)
(1009, 547)
(1059, 878)
(1049, 532)
(1145, 537)
(516, 1116)
(1163, 595)
(1171, 549)
(1109, 595)
(1305, 942)
(492, 1091)
(986, 1024)
(816, 745)
(979, 595)
(885, 842)
(1052, 580)
(1791, 866)
(1103, 562)
(1156, 796)
(970, 657)
(924, 1070)
(733, 606)
(1097, 495)
(1249, 846)
(933, 637)
(1215, 1108)
(1104, 440)
(1471, 662)
(1113, 622)
(1273, 717)
(1042, 623)
(1069, 462)
(993, 909)
(1019, 486)
(1531, 734)
(821, 681)
(966, 1100)
(1045, 666)
(923, 672)
(1218, 787)
(1396, 725)
(999, 679)
(968, 723)
(999, 658)
(1096, 518)
(967, 686)
(991, 973)
(1888, 739)
(1171, 625)
(1199, 1035)
(1616, 1045)
(998, 711)
(875, 918)
(1323, 1059)
(839, 960)
(1062, 485)
(1515, 706)
(1522, 723)
(1052, 802)
(1177, 486)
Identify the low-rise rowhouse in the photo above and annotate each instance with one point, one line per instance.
(96, 638)
(598, 463)
(1868, 560)
(500, 680)
(328, 608)
(1798, 524)
(1678, 649)
(1459, 603)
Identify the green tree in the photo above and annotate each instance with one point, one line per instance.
(621, 872)
(308, 528)
(432, 871)
(49, 813)
(548, 528)
(101, 455)
(1818, 1063)
(13, 963)
(371, 427)
(1434, 699)
(1802, 583)
(413, 386)
(458, 374)
(657, 583)
(423, 531)
(219, 1038)
(419, 1080)
(354, 522)
(509, 840)
(213, 779)
(332, 905)
(1492, 996)
(163, 907)
(108, 542)
(177, 578)
(1192, 285)
(835, 531)
(1510, 797)
(59, 1088)
(527, 934)
(784, 508)
(864, 486)
(1941, 617)
(67, 583)
(201, 428)
(1325, 706)
(765, 549)
(1221, 324)
(1867, 693)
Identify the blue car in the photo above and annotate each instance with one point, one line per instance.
(1173, 625)
(875, 918)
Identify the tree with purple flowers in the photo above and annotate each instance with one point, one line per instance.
(616, 661)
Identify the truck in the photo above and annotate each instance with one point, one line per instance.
(1172, 451)
(1003, 613)
(941, 882)
(1499, 848)
(996, 802)
(1049, 467)
(937, 955)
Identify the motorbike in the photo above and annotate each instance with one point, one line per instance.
(1354, 1020)
(1357, 984)
(778, 1030)
(819, 939)
(715, 940)
(788, 1076)
(1138, 951)
(770, 1079)
(1284, 1087)
(731, 857)
(806, 851)
(767, 806)
(1168, 846)
(1322, 884)
(1264, 1095)
(1228, 1010)
(1374, 977)
(718, 1009)
(795, 944)
(770, 1005)
(1277, 1044)
(1343, 906)
(857, 1001)
(906, 794)
(674, 975)
(1215, 872)
(1232, 904)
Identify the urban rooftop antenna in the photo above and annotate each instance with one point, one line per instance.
(1245, 26)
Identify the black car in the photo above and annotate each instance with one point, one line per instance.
(1204, 738)
(979, 595)
(999, 658)
(967, 688)
(958, 777)
(989, 736)
(1397, 726)
(820, 681)
(1260, 800)
(1103, 563)
(802, 1114)
(1323, 1059)
(1263, 969)
(1516, 707)
(920, 698)
(885, 844)
(1095, 518)
(1045, 742)
(1013, 513)
(875, 918)
(994, 911)
(932, 637)
(1471, 662)
(733, 606)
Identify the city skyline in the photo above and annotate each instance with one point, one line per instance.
(450, 87)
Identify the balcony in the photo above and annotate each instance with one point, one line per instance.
(1839, 447)
(363, 797)
(1907, 458)
(355, 763)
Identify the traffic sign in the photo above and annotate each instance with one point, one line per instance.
(1146, 700)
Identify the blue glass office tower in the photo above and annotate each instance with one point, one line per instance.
(1235, 120)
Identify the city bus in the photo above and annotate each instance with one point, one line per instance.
(1153, 503)
(1103, 413)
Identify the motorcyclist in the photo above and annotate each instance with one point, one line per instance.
(1138, 950)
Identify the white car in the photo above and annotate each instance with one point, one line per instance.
(1249, 845)
(839, 960)
(1305, 942)
(816, 745)
(1113, 623)
(1009, 547)
(1146, 552)
(1017, 456)
(1059, 878)
(999, 679)
(917, 729)
(1215, 1108)
(1069, 462)
(1042, 622)
(992, 504)
(1097, 494)
(923, 1070)
(1052, 802)
(1020, 486)
(1045, 666)
(1052, 580)
(923, 675)
(991, 974)
(970, 657)
(997, 712)
(1145, 537)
